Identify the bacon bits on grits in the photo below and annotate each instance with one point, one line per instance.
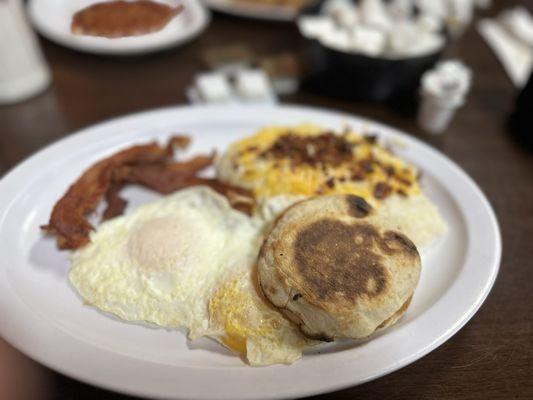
(283, 164)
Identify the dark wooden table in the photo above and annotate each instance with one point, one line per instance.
(492, 356)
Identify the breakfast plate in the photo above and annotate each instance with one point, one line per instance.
(52, 19)
(46, 320)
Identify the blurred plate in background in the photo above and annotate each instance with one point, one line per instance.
(250, 10)
(52, 18)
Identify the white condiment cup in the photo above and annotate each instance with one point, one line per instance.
(443, 90)
(23, 71)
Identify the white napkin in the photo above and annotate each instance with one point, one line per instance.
(374, 13)
(519, 22)
(513, 51)
(314, 27)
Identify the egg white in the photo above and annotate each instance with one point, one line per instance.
(249, 325)
(187, 260)
(163, 262)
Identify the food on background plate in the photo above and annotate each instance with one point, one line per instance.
(118, 18)
(283, 164)
(338, 268)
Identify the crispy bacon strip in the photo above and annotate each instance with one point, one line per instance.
(149, 165)
(239, 198)
(163, 178)
(68, 220)
(115, 204)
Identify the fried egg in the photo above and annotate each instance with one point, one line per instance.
(186, 260)
(162, 262)
(251, 326)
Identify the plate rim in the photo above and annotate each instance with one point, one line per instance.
(466, 316)
(68, 42)
(264, 13)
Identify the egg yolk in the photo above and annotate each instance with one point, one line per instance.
(162, 244)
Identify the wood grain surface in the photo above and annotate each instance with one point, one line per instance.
(492, 356)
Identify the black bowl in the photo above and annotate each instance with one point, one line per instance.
(356, 76)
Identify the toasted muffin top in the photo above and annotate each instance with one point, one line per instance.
(335, 267)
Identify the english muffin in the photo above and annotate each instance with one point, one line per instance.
(337, 268)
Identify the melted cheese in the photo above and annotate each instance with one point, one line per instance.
(271, 176)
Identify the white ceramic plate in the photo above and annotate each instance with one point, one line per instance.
(52, 19)
(255, 11)
(44, 318)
